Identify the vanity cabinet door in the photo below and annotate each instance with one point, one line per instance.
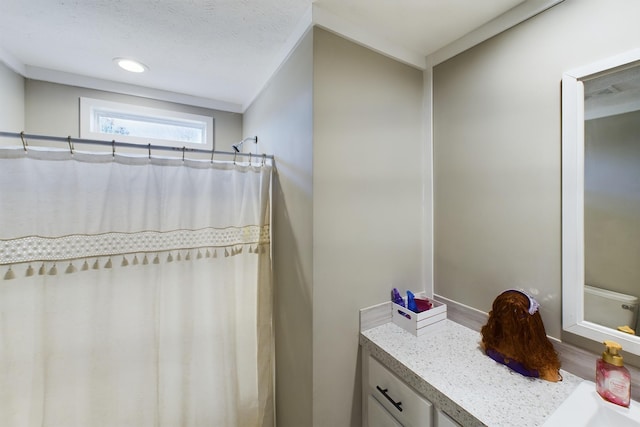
(443, 420)
(378, 416)
(408, 407)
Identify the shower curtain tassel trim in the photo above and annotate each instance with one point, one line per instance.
(9, 274)
(70, 269)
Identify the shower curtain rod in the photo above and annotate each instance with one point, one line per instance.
(69, 140)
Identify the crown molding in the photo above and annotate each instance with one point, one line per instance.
(314, 17)
(359, 35)
(70, 79)
(290, 45)
(12, 62)
(522, 12)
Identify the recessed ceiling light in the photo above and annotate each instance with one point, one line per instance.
(130, 65)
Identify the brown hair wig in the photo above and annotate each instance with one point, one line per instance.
(518, 335)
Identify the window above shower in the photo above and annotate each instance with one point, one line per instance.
(108, 121)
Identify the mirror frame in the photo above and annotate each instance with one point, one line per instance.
(573, 204)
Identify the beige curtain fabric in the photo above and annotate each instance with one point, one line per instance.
(134, 292)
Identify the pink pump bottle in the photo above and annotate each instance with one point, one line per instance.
(613, 381)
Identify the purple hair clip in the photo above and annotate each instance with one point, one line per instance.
(533, 304)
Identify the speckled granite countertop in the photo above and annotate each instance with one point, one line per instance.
(449, 368)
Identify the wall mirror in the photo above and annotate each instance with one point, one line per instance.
(601, 200)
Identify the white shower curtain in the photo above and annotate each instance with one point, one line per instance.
(134, 291)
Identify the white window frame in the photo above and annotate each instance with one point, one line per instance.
(92, 109)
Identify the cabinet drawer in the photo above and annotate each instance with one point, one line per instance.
(403, 402)
(443, 420)
(378, 416)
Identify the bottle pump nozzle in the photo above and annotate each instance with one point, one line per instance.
(611, 355)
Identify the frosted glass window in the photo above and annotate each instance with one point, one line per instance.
(104, 120)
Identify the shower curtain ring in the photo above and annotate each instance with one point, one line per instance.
(264, 158)
(70, 144)
(113, 148)
(212, 151)
(183, 148)
(250, 159)
(234, 158)
(24, 142)
(149, 146)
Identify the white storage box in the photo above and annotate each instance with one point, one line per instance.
(420, 323)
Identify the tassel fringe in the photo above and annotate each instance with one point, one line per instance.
(52, 270)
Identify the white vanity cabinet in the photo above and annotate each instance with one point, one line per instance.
(443, 420)
(388, 401)
(450, 376)
(378, 416)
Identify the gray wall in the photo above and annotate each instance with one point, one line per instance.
(348, 212)
(368, 179)
(53, 109)
(282, 117)
(11, 101)
(497, 131)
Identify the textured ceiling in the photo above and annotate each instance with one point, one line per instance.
(222, 50)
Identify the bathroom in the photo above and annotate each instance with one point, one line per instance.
(360, 203)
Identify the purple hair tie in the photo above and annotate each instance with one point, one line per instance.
(533, 304)
(512, 364)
